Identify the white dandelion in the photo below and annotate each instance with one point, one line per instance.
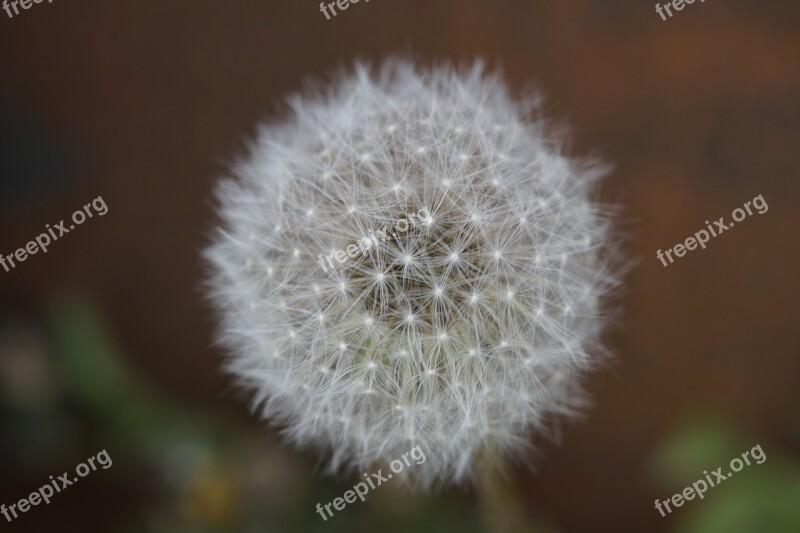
(465, 334)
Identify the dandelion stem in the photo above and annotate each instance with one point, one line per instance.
(501, 508)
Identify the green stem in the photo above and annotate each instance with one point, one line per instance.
(501, 509)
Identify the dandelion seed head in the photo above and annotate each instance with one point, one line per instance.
(469, 330)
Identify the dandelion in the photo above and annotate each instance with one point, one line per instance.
(465, 333)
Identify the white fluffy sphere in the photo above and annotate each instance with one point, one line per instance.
(410, 259)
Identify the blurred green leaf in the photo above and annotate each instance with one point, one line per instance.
(761, 498)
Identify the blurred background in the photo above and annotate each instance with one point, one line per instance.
(106, 342)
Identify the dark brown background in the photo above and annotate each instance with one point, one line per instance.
(699, 114)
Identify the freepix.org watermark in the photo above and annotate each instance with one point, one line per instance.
(8, 5)
(700, 486)
(364, 245)
(56, 485)
(702, 237)
(677, 5)
(373, 481)
(325, 7)
(45, 239)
